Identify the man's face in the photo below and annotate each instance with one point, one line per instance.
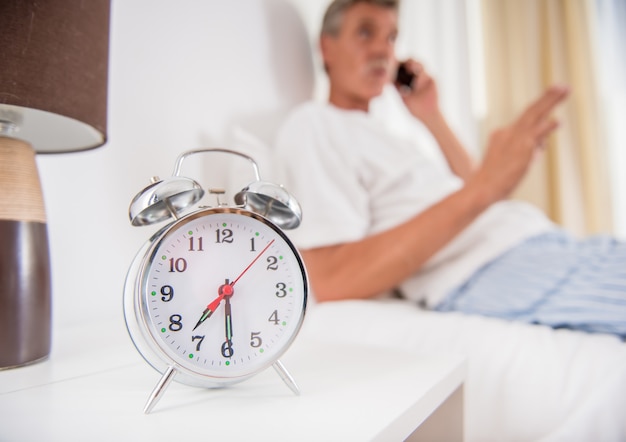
(361, 58)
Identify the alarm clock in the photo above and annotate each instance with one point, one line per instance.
(218, 294)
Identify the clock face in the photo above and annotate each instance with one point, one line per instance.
(221, 294)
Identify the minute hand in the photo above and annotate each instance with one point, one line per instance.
(228, 321)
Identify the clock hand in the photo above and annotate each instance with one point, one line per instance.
(228, 326)
(229, 319)
(252, 263)
(224, 290)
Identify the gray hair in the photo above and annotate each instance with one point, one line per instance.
(335, 11)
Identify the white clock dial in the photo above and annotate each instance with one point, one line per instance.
(222, 293)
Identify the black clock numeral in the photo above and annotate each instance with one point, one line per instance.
(178, 265)
(272, 263)
(176, 323)
(227, 349)
(199, 339)
(274, 317)
(168, 293)
(252, 248)
(281, 290)
(195, 244)
(255, 339)
(223, 235)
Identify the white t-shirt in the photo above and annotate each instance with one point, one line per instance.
(353, 179)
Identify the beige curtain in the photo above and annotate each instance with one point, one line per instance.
(529, 45)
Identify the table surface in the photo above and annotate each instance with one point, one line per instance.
(94, 387)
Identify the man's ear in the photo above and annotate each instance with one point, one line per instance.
(326, 43)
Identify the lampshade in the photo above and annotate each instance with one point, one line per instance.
(53, 97)
(54, 58)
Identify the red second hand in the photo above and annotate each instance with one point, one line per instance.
(252, 263)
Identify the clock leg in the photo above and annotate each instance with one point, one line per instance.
(158, 391)
(286, 377)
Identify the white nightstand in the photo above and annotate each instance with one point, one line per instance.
(95, 385)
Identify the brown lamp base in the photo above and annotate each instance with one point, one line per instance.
(25, 294)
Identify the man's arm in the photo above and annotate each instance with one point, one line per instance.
(423, 103)
(378, 263)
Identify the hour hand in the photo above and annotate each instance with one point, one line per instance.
(210, 309)
(206, 314)
(224, 290)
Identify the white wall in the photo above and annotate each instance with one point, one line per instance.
(181, 74)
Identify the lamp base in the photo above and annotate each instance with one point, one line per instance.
(25, 294)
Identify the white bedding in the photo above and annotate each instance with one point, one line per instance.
(524, 383)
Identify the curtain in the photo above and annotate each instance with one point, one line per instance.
(528, 46)
(612, 61)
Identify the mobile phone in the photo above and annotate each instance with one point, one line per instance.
(404, 77)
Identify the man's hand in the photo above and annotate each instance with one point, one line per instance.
(422, 99)
(512, 148)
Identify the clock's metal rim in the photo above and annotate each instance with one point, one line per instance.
(140, 315)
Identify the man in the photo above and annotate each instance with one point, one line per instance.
(381, 216)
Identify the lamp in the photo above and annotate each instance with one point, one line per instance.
(53, 86)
